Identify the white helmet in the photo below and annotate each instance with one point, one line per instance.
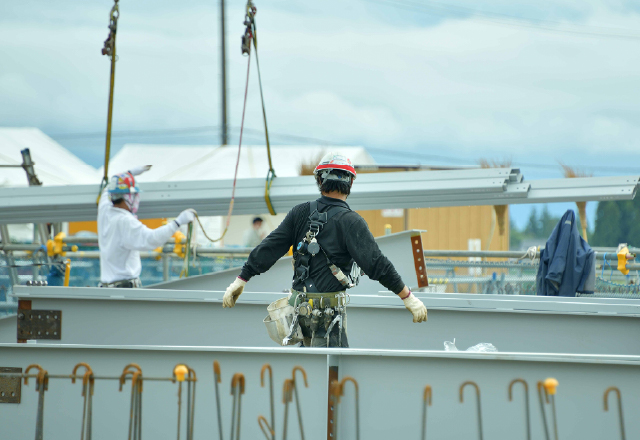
(334, 161)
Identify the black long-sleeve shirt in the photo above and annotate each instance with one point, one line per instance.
(345, 238)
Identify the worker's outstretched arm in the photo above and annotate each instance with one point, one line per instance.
(262, 257)
(136, 236)
(366, 253)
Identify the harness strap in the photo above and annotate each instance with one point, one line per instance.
(317, 220)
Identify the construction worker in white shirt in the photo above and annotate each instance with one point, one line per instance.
(121, 236)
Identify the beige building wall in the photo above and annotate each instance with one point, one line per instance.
(447, 228)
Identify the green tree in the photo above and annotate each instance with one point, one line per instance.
(532, 229)
(617, 222)
(607, 230)
(547, 223)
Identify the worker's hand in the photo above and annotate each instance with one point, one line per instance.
(415, 306)
(136, 171)
(186, 217)
(233, 292)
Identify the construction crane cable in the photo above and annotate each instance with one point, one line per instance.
(251, 34)
(109, 49)
(185, 270)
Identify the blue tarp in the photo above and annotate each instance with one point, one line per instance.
(567, 262)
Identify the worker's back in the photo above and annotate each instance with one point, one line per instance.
(117, 262)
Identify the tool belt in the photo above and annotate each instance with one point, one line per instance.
(126, 284)
(319, 300)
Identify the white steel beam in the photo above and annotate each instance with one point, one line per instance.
(419, 189)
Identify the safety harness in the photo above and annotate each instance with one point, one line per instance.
(309, 248)
(321, 311)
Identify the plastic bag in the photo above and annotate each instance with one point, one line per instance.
(483, 347)
(450, 346)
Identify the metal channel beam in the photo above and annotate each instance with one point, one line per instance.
(372, 191)
(397, 247)
(390, 384)
(196, 318)
(212, 197)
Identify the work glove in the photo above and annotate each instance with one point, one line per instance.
(233, 292)
(186, 216)
(415, 306)
(136, 171)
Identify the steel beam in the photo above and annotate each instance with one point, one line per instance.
(397, 247)
(390, 382)
(372, 191)
(512, 323)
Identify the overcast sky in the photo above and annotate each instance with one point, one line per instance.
(414, 81)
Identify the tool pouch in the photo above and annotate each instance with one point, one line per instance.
(278, 322)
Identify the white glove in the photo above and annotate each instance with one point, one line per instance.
(415, 306)
(186, 217)
(136, 171)
(233, 292)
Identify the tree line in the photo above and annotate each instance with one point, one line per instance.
(615, 222)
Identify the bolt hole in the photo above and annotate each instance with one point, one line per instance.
(55, 333)
(47, 316)
(47, 333)
(13, 394)
(2, 393)
(39, 316)
(39, 333)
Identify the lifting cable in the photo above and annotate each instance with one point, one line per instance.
(247, 38)
(109, 49)
(251, 34)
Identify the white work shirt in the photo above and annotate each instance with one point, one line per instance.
(121, 236)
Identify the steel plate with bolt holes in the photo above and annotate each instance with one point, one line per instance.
(10, 387)
(39, 324)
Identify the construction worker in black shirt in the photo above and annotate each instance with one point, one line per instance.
(332, 247)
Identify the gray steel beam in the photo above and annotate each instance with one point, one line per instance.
(397, 247)
(500, 254)
(372, 191)
(390, 389)
(196, 318)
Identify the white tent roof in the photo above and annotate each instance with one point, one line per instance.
(54, 164)
(184, 162)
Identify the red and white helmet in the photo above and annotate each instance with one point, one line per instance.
(334, 161)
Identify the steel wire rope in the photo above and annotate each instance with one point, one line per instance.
(109, 49)
(235, 174)
(271, 174)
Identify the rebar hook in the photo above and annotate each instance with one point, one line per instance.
(426, 398)
(266, 429)
(526, 402)
(606, 408)
(216, 381)
(340, 391)
(272, 427)
(479, 409)
(86, 378)
(541, 390)
(42, 378)
(287, 396)
(295, 390)
(237, 390)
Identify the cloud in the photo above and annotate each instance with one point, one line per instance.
(358, 73)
